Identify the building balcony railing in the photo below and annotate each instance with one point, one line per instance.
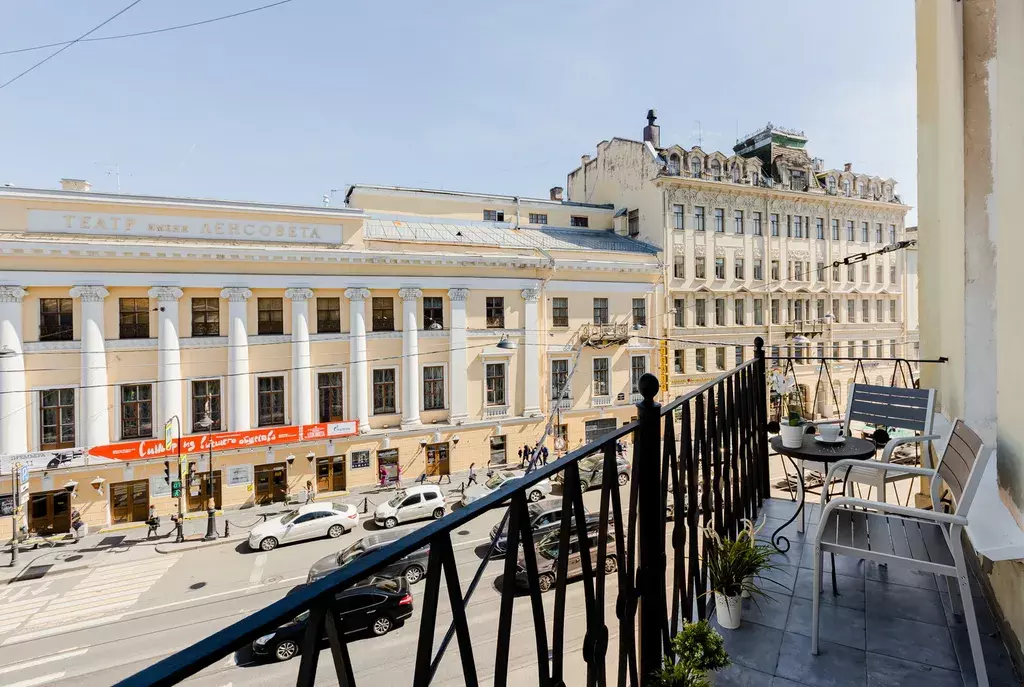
(635, 397)
(600, 401)
(563, 403)
(604, 334)
(495, 412)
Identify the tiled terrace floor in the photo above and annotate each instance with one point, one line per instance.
(888, 627)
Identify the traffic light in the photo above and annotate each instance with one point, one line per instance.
(167, 471)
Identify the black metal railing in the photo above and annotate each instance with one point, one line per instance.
(707, 451)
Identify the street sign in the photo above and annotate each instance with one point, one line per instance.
(23, 478)
(175, 489)
(168, 435)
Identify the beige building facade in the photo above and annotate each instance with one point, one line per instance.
(412, 332)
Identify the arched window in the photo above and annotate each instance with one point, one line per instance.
(874, 191)
(860, 189)
(887, 192)
(735, 173)
(846, 187)
(673, 164)
(716, 170)
(695, 167)
(831, 185)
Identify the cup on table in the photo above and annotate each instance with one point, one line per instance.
(829, 433)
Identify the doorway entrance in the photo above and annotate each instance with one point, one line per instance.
(49, 512)
(129, 501)
(437, 460)
(330, 473)
(199, 492)
(271, 483)
(597, 428)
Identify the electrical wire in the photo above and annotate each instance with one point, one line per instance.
(147, 33)
(67, 45)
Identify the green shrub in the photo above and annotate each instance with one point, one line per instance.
(697, 650)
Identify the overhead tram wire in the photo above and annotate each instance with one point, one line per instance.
(67, 45)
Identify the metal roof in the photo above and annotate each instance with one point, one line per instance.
(422, 230)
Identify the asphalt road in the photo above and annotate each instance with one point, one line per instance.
(94, 627)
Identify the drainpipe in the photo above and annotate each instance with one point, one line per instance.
(518, 220)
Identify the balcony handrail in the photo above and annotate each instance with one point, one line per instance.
(316, 597)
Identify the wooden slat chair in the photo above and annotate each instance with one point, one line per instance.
(924, 540)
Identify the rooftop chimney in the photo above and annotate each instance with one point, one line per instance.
(848, 167)
(556, 193)
(584, 159)
(75, 185)
(652, 132)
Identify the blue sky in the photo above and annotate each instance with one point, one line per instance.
(286, 104)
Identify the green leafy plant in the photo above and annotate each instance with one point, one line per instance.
(733, 563)
(789, 394)
(697, 650)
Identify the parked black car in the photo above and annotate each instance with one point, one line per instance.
(376, 608)
(410, 567)
(544, 518)
(592, 472)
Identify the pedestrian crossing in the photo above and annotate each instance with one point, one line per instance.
(95, 598)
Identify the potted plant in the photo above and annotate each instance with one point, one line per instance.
(791, 424)
(695, 652)
(732, 565)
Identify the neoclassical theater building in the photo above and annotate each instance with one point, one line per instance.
(410, 332)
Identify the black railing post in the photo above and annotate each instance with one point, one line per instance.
(651, 564)
(760, 425)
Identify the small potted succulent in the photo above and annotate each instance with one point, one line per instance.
(696, 652)
(732, 566)
(791, 423)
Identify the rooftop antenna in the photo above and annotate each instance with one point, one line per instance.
(112, 169)
(700, 135)
(328, 197)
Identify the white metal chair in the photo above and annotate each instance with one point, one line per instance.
(925, 540)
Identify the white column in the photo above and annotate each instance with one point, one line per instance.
(458, 357)
(302, 374)
(13, 399)
(168, 373)
(238, 412)
(531, 356)
(357, 354)
(410, 358)
(94, 418)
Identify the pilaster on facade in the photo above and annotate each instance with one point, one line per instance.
(458, 357)
(531, 354)
(357, 356)
(238, 411)
(13, 395)
(302, 372)
(410, 357)
(95, 423)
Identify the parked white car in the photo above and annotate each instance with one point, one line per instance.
(308, 522)
(499, 479)
(412, 503)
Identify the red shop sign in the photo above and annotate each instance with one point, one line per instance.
(226, 441)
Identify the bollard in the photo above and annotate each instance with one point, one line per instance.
(227, 527)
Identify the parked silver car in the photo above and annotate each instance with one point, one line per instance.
(308, 522)
(413, 503)
(498, 480)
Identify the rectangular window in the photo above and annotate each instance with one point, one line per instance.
(698, 218)
(331, 396)
(637, 369)
(433, 387)
(701, 363)
(433, 312)
(738, 268)
(892, 274)
(820, 228)
(559, 376)
(600, 311)
(819, 274)
(677, 217)
(820, 308)
(849, 230)
(679, 305)
(865, 310)
(798, 271)
(879, 311)
(719, 268)
(538, 218)
(738, 308)
(205, 317)
(892, 235)
(699, 312)
(579, 221)
(835, 273)
(798, 227)
(758, 312)
(851, 349)
(720, 358)
(383, 314)
(134, 318)
(559, 312)
(328, 315)
(758, 269)
(775, 270)
(698, 267)
(719, 220)
(738, 221)
(835, 230)
(865, 273)
(678, 361)
(835, 309)
(271, 315)
(495, 312)
(879, 349)
(773, 220)
(270, 401)
(640, 311)
(206, 406)
(720, 312)
(851, 315)
(600, 376)
(739, 356)
(679, 266)
(56, 321)
(892, 311)
(496, 384)
(775, 311)
(892, 348)
(798, 311)
(384, 391)
(879, 276)
(494, 215)
(878, 232)
(136, 411)
(850, 273)
(56, 418)
(863, 232)
(633, 222)
(757, 224)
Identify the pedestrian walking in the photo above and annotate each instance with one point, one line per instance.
(472, 474)
(543, 455)
(620, 450)
(382, 474)
(309, 491)
(527, 454)
(153, 521)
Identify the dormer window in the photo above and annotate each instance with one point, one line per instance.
(831, 185)
(755, 178)
(695, 168)
(494, 215)
(673, 164)
(716, 170)
(735, 173)
(860, 189)
(846, 187)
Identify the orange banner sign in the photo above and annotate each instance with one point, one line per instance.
(226, 441)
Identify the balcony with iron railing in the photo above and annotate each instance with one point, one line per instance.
(700, 461)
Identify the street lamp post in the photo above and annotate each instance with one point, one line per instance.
(179, 524)
(211, 512)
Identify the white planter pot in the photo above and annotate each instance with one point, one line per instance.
(792, 437)
(729, 610)
(748, 580)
